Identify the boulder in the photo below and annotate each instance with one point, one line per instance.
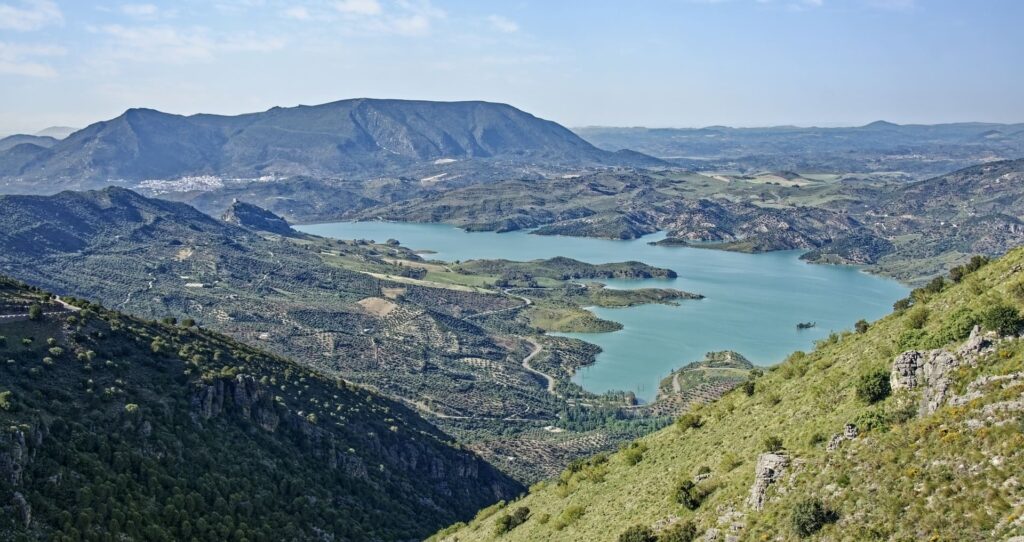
(770, 468)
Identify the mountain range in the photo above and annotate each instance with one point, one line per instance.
(915, 150)
(360, 137)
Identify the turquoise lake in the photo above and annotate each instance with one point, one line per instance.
(752, 301)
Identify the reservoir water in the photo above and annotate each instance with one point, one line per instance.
(752, 305)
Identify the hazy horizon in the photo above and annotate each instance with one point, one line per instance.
(667, 63)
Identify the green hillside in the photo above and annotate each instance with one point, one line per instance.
(858, 440)
(115, 428)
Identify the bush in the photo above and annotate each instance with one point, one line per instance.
(935, 286)
(684, 531)
(874, 386)
(901, 305)
(35, 312)
(1002, 319)
(689, 495)
(861, 326)
(809, 516)
(506, 523)
(958, 325)
(5, 400)
(748, 388)
(568, 516)
(917, 318)
(772, 443)
(634, 453)
(690, 420)
(638, 533)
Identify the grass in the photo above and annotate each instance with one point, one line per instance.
(901, 479)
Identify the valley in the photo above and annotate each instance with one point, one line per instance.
(440, 271)
(765, 295)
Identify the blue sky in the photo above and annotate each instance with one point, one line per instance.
(650, 63)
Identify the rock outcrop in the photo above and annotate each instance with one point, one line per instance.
(849, 433)
(256, 218)
(930, 370)
(769, 470)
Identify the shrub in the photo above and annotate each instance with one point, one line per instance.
(958, 325)
(634, 453)
(861, 326)
(748, 388)
(684, 531)
(507, 522)
(772, 443)
(874, 386)
(690, 420)
(35, 312)
(1002, 319)
(5, 400)
(809, 516)
(638, 533)
(913, 339)
(935, 286)
(901, 305)
(689, 495)
(569, 516)
(916, 318)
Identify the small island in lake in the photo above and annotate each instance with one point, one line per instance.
(806, 325)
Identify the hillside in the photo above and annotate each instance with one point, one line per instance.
(923, 228)
(907, 429)
(21, 139)
(141, 430)
(449, 342)
(350, 137)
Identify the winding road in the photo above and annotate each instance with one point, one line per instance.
(537, 349)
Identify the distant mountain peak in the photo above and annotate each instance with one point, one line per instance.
(56, 132)
(881, 124)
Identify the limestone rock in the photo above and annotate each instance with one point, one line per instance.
(905, 368)
(928, 370)
(22, 508)
(769, 470)
(849, 433)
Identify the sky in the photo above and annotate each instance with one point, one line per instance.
(659, 63)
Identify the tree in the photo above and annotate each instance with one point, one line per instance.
(809, 516)
(861, 326)
(1002, 319)
(902, 304)
(874, 386)
(638, 533)
(35, 312)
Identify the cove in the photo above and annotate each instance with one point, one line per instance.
(752, 301)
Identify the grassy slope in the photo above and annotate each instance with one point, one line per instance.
(925, 478)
